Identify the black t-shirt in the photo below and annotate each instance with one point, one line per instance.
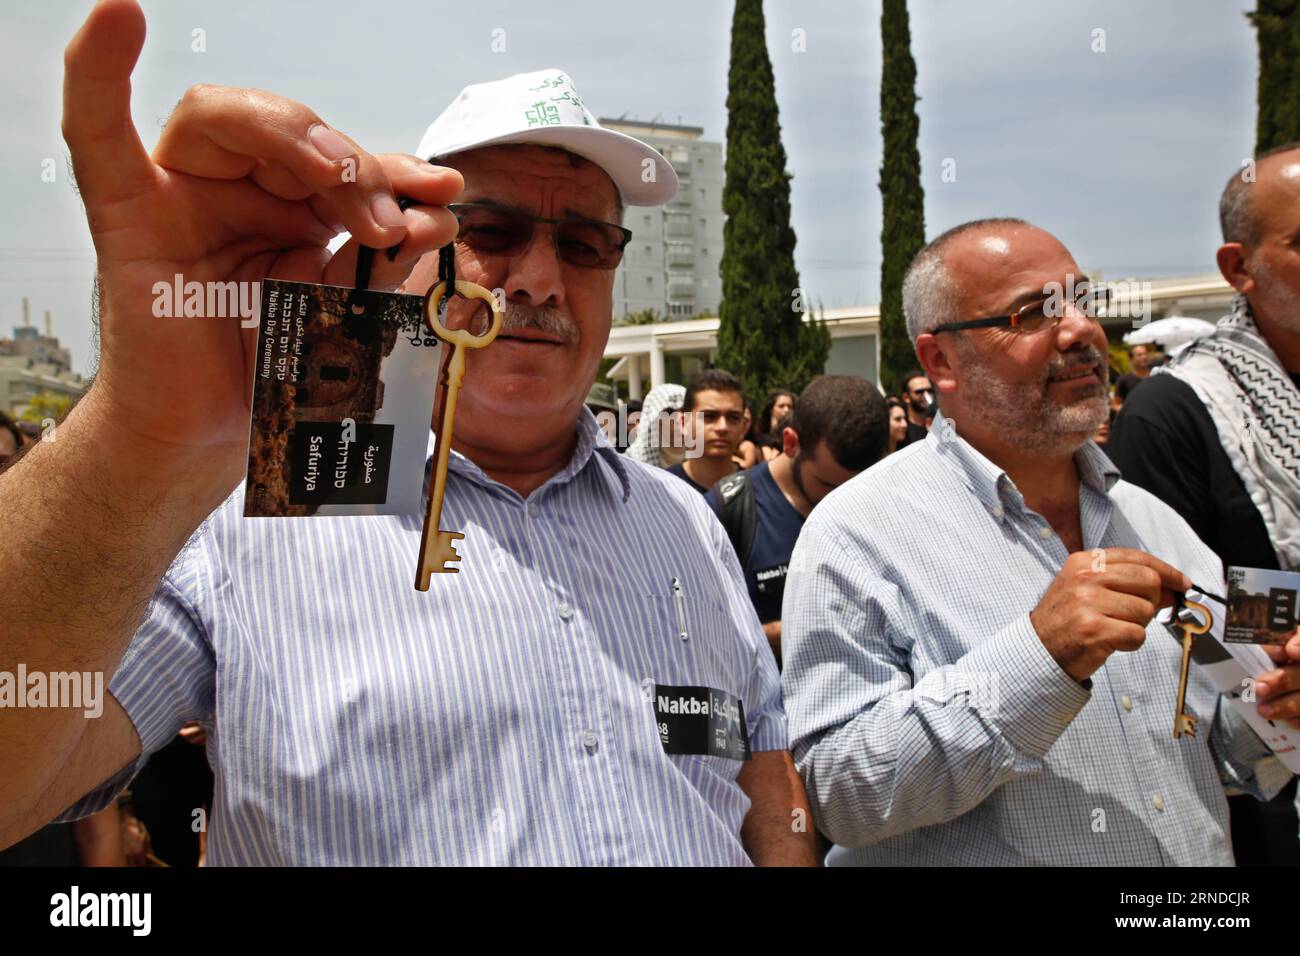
(914, 433)
(679, 470)
(776, 528)
(1165, 441)
(1127, 382)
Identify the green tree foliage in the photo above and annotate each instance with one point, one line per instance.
(45, 405)
(903, 232)
(643, 317)
(761, 336)
(1277, 24)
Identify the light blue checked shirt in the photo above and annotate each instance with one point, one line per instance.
(930, 723)
(499, 718)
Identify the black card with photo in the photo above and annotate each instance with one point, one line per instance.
(343, 394)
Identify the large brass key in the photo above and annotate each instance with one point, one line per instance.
(436, 545)
(1187, 621)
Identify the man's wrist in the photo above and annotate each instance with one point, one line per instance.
(136, 469)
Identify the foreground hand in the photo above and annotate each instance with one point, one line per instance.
(1278, 691)
(243, 185)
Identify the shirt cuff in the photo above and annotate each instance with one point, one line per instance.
(1033, 700)
(770, 734)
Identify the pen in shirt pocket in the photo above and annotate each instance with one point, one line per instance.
(679, 599)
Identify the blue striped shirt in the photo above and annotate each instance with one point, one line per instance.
(502, 717)
(929, 721)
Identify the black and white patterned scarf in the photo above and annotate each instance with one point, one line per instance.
(1256, 409)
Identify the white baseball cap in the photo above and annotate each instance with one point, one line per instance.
(543, 109)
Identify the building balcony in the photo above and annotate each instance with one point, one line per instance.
(679, 227)
(681, 290)
(680, 257)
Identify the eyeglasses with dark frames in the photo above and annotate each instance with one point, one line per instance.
(1040, 314)
(493, 230)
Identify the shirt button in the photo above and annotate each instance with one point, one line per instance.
(1045, 533)
(565, 610)
(1159, 802)
(589, 741)
(998, 512)
(1127, 701)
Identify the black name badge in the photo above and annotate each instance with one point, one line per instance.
(700, 720)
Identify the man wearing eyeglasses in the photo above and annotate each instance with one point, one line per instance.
(521, 712)
(714, 422)
(972, 671)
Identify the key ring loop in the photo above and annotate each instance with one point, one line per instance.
(463, 338)
(1196, 627)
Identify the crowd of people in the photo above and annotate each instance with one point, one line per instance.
(866, 632)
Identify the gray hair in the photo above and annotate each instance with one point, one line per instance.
(930, 296)
(1236, 217)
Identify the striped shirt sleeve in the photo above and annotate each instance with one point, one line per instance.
(166, 678)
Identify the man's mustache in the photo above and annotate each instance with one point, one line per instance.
(1084, 357)
(545, 319)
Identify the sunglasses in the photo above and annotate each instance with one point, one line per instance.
(492, 230)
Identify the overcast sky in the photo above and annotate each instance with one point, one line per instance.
(1121, 153)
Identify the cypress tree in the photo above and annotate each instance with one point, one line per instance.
(761, 336)
(1277, 24)
(902, 233)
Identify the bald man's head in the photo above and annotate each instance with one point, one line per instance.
(1043, 389)
(1260, 255)
(930, 295)
(1239, 202)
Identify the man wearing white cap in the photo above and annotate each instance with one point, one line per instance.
(591, 689)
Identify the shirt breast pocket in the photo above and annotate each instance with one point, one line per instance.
(696, 643)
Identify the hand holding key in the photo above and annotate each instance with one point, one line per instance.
(1100, 603)
(436, 545)
(242, 185)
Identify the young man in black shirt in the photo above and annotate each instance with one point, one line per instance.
(714, 420)
(1217, 433)
(1138, 358)
(839, 427)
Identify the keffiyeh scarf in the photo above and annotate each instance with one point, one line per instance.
(645, 447)
(1256, 409)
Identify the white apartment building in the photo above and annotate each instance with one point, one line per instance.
(671, 264)
(31, 363)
